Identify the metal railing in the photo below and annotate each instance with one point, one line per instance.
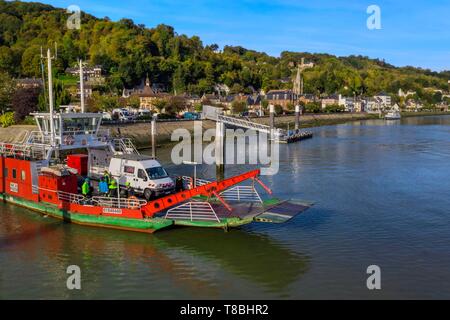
(244, 123)
(120, 203)
(37, 137)
(62, 195)
(71, 197)
(198, 182)
(125, 146)
(241, 193)
(34, 151)
(193, 211)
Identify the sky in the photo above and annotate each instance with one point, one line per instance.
(413, 32)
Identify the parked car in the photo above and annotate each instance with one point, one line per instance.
(106, 116)
(191, 116)
(122, 115)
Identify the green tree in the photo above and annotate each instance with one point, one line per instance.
(238, 106)
(278, 109)
(134, 102)
(159, 104)
(313, 107)
(7, 88)
(62, 96)
(174, 105)
(24, 101)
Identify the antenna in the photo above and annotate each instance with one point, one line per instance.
(50, 92)
(43, 76)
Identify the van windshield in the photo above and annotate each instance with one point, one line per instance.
(156, 173)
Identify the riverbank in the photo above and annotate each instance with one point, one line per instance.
(140, 132)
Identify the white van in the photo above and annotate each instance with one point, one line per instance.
(122, 115)
(146, 175)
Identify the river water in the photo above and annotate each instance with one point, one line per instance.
(381, 193)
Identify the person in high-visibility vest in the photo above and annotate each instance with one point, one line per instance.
(107, 177)
(113, 189)
(86, 188)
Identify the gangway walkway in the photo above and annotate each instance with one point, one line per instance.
(280, 135)
(250, 125)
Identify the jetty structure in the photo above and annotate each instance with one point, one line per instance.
(276, 134)
(45, 173)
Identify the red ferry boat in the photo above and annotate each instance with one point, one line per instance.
(44, 171)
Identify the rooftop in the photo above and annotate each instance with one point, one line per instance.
(134, 157)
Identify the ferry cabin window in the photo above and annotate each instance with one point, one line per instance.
(14, 173)
(157, 173)
(142, 175)
(79, 125)
(22, 175)
(128, 169)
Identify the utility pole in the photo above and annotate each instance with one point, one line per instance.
(272, 121)
(81, 87)
(297, 117)
(220, 150)
(153, 134)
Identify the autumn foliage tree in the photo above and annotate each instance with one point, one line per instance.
(24, 101)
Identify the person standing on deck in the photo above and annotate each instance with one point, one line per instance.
(103, 187)
(107, 177)
(86, 189)
(113, 189)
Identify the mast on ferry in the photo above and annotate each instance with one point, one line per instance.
(50, 96)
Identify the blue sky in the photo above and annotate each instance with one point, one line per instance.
(414, 32)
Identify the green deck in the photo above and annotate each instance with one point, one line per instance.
(225, 223)
(241, 215)
(142, 225)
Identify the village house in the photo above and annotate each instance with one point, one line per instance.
(442, 106)
(330, 100)
(210, 97)
(374, 105)
(385, 99)
(147, 96)
(221, 89)
(91, 74)
(28, 83)
(147, 93)
(225, 101)
(281, 97)
(191, 99)
(87, 91)
(141, 88)
(307, 98)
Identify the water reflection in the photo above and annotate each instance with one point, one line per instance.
(181, 262)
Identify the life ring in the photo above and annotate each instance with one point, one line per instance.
(133, 203)
(69, 140)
